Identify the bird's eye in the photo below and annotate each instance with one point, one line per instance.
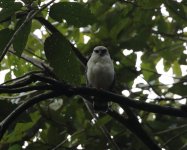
(97, 51)
(104, 50)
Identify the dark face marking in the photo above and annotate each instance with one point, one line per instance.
(101, 51)
(96, 51)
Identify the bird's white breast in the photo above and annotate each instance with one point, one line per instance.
(100, 72)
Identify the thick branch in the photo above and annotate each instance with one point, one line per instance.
(121, 100)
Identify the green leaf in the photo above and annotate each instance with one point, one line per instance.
(148, 71)
(6, 3)
(5, 35)
(19, 132)
(126, 72)
(179, 89)
(80, 117)
(51, 134)
(56, 105)
(9, 9)
(21, 38)
(176, 69)
(149, 4)
(22, 129)
(74, 13)
(61, 57)
(182, 60)
(6, 108)
(172, 53)
(35, 116)
(138, 41)
(176, 9)
(15, 147)
(118, 27)
(102, 121)
(37, 145)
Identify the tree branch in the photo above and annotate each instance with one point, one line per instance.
(168, 4)
(136, 5)
(135, 128)
(121, 100)
(29, 17)
(4, 51)
(138, 129)
(37, 63)
(171, 130)
(21, 108)
(174, 137)
(169, 35)
(102, 128)
(131, 123)
(4, 89)
(52, 29)
(21, 78)
(64, 89)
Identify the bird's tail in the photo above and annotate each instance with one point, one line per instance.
(100, 105)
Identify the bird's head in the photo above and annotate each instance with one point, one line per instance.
(100, 51)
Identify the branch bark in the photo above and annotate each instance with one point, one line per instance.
(61, 89)
(21, 108)
(135, 128)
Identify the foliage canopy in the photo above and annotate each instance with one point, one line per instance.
(43, 50)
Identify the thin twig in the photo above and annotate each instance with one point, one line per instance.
(37, 63)
(169, 35)
(169, 5)
(4, 51)
(183, 147)
(21, 77)
(17, 97)
(29, 51)
(171, 99)
(5, 89)
(136, 5)
(102, 128)
(64, 141)
(171, 130)
(174, 137)
(29, 17)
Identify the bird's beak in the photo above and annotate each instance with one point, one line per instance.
(102, 53)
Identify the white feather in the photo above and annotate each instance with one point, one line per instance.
(100, 70)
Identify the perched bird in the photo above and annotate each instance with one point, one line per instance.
(100, 74)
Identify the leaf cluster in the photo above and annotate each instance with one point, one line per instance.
(46, 44)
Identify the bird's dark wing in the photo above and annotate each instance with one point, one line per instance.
(86, 68)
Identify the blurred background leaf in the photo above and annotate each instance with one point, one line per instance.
(147, 42)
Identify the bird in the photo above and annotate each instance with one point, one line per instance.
(100, 74)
